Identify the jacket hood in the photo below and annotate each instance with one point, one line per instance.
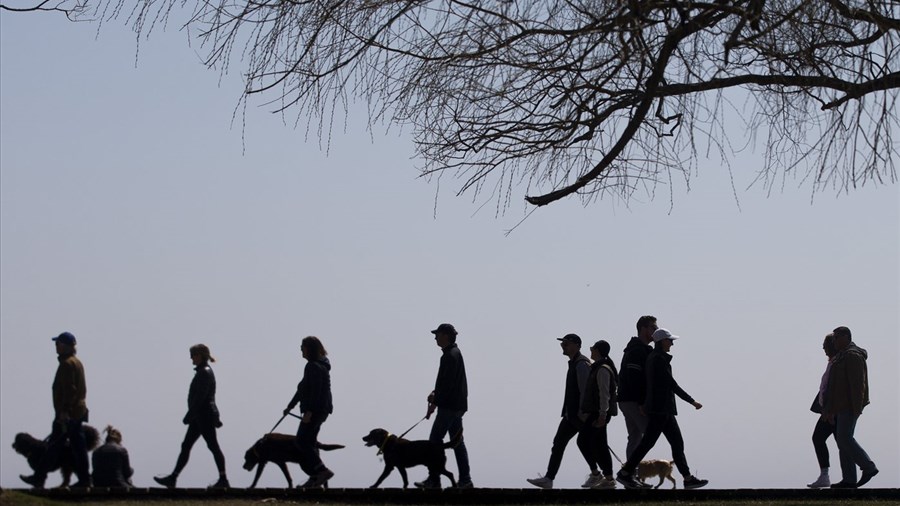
(857, 350)
(324, 363)
(635, 342)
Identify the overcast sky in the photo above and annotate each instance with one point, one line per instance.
(135, 215)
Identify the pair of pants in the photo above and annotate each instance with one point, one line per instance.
(635, 423)
(450, 421)
(820, 435)
(600, 445)
(660, 424)
(851, 453)
(196, 430)
(564, 433)
(70, 431)
(307, 443)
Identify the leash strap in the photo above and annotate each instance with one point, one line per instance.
(616, 456)
(413, 427)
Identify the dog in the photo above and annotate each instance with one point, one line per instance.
(651, 468)
(279, 449)
(33, 449)
(402, 453)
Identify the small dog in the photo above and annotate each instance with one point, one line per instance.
(651, 468)
(279, 449)
(33, 450)
(402, 453)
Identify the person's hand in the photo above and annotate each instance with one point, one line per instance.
(697, 404)
(186, 420)
(431, 408)
(286, 412)
(431, 398)
(829, 417)
(600, 422)
(307, 417)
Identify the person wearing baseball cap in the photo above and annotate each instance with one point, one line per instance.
(450, 399)
(573, 420)
(69, 394)
(660, 408)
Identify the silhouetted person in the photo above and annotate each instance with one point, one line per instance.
(70, 407)
(450, 399)
(202, 419)
(824, 429)
(660, 409)
(314, 396)
(112, 467)
(599, 403)
(847, 395)
(633, 381)
(573, 420)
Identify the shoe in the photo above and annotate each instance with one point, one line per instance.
(429, 484)
(592, 480)
(843, 484)
(605, 483)
(866, 476)
(34, 480)
(822, 482)
(319, 479)
(694, 482)
(627, 480)
(222, 483)
(541, 482)
(464, 484)
(166, 481)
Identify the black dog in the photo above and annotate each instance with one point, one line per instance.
(280, 449)
(402, 453)
(33, 450)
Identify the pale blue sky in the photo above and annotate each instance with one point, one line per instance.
(132, 214)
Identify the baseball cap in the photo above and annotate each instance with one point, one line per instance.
(570, 338)
(445, 328)
(601, 346)
(65, 338)
(660, 334)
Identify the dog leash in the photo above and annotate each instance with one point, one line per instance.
(413, 427)
(616, 456)
(278, 423)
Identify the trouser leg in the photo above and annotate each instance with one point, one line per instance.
(306, 442)
(190, 437)
(655, 424)
(820, 436)
(78, 447)
(851, 453)
(672, 432)
(635, 424)
(212, 442)
(585, 444)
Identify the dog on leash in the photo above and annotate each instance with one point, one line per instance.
(650, 468)
(278, 449)
(33, 449)
(401, 453)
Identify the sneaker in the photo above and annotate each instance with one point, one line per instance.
(592, 480)
(627, 480)
(222, 483)
(541, 482)
(605, 483)
(34, 480)
(319, 479)
(465, 484)
(429, 484)
(866, 476)
(166, 481)
(843, 484)
(694, 482)
(822, 482)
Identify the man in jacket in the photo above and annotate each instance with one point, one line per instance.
(573, 420)
(69, 394)
(659, 406)
(633, 380)
(845, 398)
(450, 399)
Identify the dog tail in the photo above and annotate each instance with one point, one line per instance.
(91, 437)
(328, 447)
(455, 440)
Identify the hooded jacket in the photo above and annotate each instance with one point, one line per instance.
(314, 390)
(632, 377)
(70, 389)
(202, 397)
(451, 391)
(661, 385)
(848, 382)
(576, 381)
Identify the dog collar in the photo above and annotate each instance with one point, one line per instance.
(381, 448)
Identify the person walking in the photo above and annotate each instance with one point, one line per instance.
(846, 396)
(824, 429)
(633, 381)
(314, 396)
(659, 406)
(112, 467)
(599, 403)
(70, 408)
(202, 419)
(450, 399)
(573, 420)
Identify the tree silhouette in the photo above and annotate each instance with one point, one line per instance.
(579, 97)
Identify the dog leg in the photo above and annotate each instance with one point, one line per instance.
(448, 474)
(387, 470)
(402, 471)
(287, 474)
(259, 469)
(662, 478)
(674, 484)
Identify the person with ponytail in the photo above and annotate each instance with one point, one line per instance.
(599, 403)
(112, 467)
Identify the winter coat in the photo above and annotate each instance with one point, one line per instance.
(632, 377)
(848, 382)
(202, 398)
(661, 386)
(451, 390)
(314, 390)
(70, 389)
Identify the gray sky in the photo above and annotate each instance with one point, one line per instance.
(132, 216)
